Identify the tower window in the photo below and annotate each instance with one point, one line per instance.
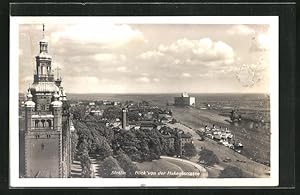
(49, 123)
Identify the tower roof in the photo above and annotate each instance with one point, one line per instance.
(56, 102)
(29, 103)
(44, 55)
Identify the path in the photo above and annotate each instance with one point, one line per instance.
(76, 169)
(95, 167)
(202, 170)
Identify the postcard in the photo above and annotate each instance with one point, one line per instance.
(144, 101)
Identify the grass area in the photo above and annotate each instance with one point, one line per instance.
(165, 165)
(158, 165)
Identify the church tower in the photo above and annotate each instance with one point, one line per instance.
(43, 121)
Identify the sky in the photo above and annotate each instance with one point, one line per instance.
(151, 58)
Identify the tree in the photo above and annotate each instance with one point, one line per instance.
(133, 116)
(126, 164)
(110, 167)
(231, 172)
(208, 157)
(189, 150)
(78, 112)
(173, 121)
(112, 112)
(102, 148)
(128, 142)
(66, 106)
(84, 159)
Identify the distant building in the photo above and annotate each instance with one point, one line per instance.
(185, 100)
(108, 103)
(147, 125)
(91, 103)
(185, 138)
(97, 112)
(164, 118)
(170, 141)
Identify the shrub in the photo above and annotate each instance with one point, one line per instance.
(231, 172)
(208, 157)
(109, 165)
(189, 150)
(126, 164)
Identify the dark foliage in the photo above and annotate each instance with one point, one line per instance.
(112, 112)
(231, 172)
(208, 157)
(189, 150)
(109, 166)
(126, 164)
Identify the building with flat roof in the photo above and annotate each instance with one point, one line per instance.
(185, 100)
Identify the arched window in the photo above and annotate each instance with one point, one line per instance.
(40, 124)
(46, 124)
(49, 123)
(43, 122)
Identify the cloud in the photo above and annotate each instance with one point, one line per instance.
(186, 74)
(151, 54)
(114, 58)
(108, 34)
(204, 49)
(122, 69)
(261, 42)
(186, 56)
(156, 79)
(87, 84)
(144, 79)
(240, 30)
(109, 57)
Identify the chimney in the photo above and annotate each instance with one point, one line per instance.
(124, 118)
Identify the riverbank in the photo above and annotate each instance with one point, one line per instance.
(256, 141)
(249, 167)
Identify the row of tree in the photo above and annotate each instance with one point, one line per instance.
(118, 148)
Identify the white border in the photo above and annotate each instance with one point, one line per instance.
(14, 179)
